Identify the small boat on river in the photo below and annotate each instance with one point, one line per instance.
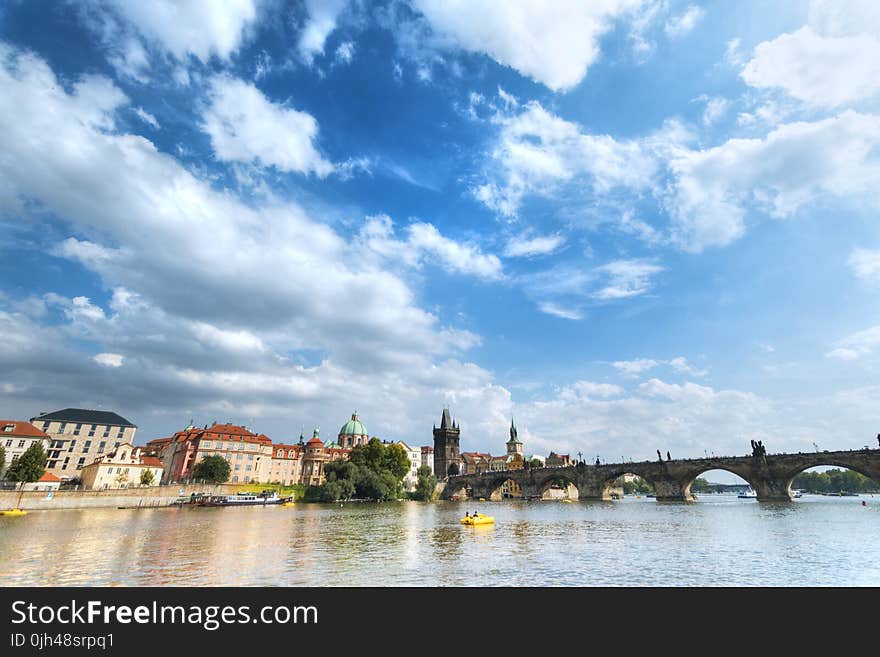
(478, 519)
(749, 494)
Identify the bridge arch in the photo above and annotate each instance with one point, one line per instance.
(495, 487)
(457, 490)
(846, 464)
(564, 478)
(744, 474)
(610, 477)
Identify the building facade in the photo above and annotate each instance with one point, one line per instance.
(124, 467)
(78, 436)
(428, 457)
(250, 455)
(555, 460)
(415, 462)
(17, 436)
(447, 460)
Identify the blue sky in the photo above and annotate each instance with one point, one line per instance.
(630, 225)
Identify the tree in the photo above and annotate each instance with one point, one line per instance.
(29, 467)
(699, 485)
(536, 463)
(147, 477)
(426, 484)
(212, 470)
(2, 457)
(121, 478)
(396, 461)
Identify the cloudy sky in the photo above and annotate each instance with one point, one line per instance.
(630, 224)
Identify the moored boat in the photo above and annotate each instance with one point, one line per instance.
(242, 499)
(749, 494)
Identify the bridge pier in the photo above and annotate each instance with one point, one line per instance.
(669, 489)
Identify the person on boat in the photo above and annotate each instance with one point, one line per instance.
(467, 515)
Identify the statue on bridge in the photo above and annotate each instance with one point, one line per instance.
(659, 456)
(759, 451)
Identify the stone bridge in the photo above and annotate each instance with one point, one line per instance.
(769, 475)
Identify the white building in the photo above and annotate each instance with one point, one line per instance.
(16, 437)
(124, 467)
(415, 462)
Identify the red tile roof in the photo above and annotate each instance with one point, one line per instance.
(152, 461)
(49, 477)
(21, 428)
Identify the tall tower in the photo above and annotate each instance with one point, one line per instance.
(514, 446)
(446, 456)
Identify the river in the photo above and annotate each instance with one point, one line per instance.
(720, 540)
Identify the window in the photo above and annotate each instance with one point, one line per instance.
(51, 464)
(241, 445)
(81, 463)
(237, 468)
(72, 445)
(119, 432)
(62, 427)
(250, 457)
(21, 443)
(102, 447)
(64, 465)
(57, 443)
(9, 428)
(238, 457)
(115, 445)
(45, 425)
(249, 467)
(106, 432)
(206, 444)
(76, 431)
(9, 443)
(15, 458)
(91, 432)
(87, 447)
(235, 479)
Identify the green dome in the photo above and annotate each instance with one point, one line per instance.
(353, 427)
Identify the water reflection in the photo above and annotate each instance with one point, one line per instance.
(720, 540)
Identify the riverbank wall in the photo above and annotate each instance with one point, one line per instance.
(145, 497)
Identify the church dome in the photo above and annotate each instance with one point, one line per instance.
(354, 427)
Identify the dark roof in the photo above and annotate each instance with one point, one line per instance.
(86, 416)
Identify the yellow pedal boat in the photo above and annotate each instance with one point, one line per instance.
(478, 519)
(13, 513)
(288, 504)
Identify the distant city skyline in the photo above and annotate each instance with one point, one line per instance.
(640, 226)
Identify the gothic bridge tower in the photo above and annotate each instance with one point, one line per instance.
(446, 455)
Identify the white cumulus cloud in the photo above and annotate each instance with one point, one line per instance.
(245, 126)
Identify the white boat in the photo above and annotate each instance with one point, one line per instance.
(242, 499)
(750, 494)
(797, 493)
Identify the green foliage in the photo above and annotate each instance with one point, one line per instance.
(699, 485)
(536, 463)
(342, 489)
(30, 466)
(396, 461)
(374, 472)
(296, 491)
(212, 470)
(834, 481)
(637, 486)
(425, 485)
(147, 477)
(2, 457)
